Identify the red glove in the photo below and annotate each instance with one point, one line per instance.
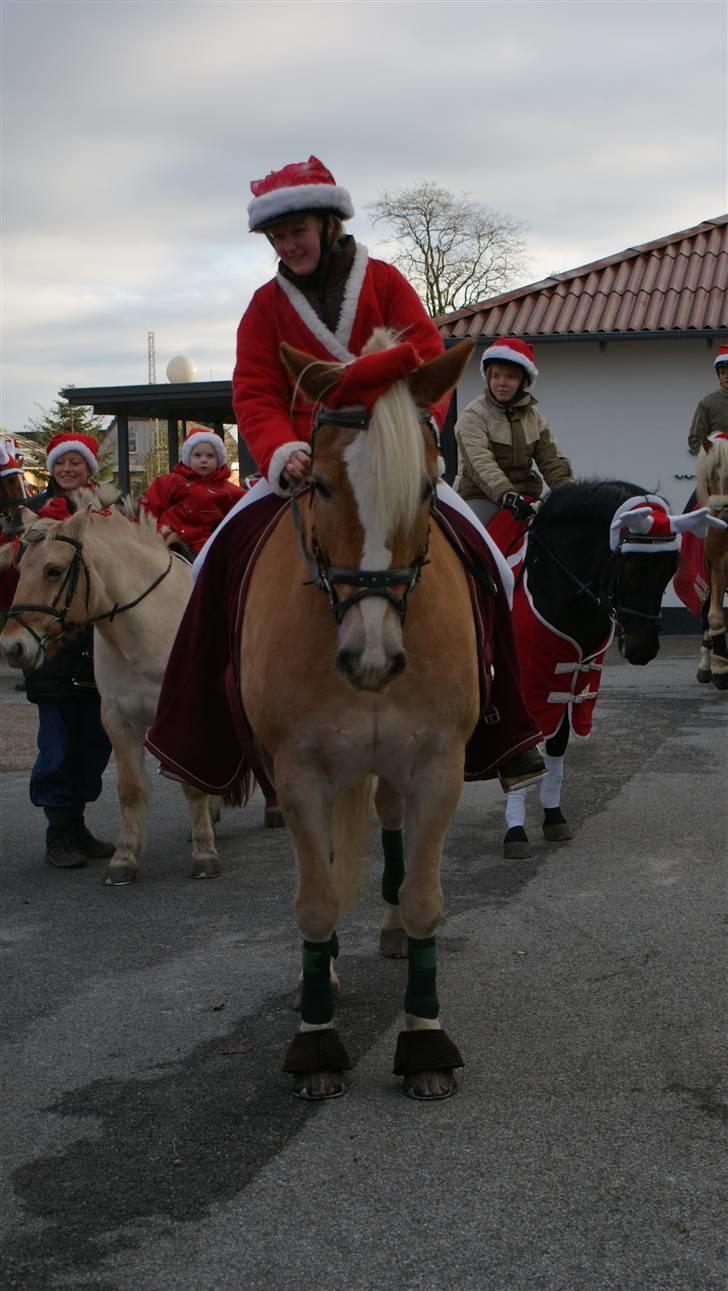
(56, 509)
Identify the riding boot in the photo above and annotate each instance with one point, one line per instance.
(94, 849)
(62, 846)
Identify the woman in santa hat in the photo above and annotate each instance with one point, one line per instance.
(73, 747)
(197, 494)
(505, 447)
(326, 298)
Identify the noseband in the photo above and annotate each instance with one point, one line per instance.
(369, 582)
(59, 612)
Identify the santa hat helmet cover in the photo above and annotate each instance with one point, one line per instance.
(511, 349)
(199, 436)
(85, 445)
(298, 187)
(721, 357)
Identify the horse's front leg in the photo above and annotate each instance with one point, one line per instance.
(426, 1057)
(205, 860)
(128, 748)
(390, 812)
(316, 1057)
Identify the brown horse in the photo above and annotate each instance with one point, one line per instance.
(99, 568)
(712, 491)
(377, 678)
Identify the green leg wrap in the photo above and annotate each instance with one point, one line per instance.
(393, 876)
(317, 1004)
(421, 996)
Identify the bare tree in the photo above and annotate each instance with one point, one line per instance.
(453, 250)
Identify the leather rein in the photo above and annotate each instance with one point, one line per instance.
(59, 612)
(368, 582)
(609, 603)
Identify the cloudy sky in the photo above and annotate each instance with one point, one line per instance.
(131, 131)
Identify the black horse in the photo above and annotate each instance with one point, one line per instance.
(583, 588)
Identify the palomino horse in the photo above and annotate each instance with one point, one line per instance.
(577, 585)
(377, 678)
(712, 491)
(99, 568)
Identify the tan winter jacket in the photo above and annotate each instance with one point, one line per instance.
(498, 449)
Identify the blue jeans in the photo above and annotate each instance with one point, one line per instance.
(73, 752)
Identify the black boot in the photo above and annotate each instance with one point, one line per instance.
(62, 849)
(95, 849)
(525, 768)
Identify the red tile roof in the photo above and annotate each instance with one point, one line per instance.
(676, 284)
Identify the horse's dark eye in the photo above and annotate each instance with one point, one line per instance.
(53, 571)
(428, 489)
(322, 487)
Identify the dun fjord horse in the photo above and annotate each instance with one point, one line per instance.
(586, 570)
(378, 677)
(99, 568)
(712, 491)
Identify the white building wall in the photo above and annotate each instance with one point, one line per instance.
(621, 409)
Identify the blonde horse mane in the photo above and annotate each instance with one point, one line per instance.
(129, 522)
(393, 450)
(712, 472)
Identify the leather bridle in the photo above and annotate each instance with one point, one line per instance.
(59, 607)
(368, 582)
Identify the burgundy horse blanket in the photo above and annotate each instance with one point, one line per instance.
(201, 734)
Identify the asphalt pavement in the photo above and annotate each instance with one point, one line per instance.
(150, 1141)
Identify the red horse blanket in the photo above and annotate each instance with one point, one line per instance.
(557, 677)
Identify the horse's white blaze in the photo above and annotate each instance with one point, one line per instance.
(375, 553)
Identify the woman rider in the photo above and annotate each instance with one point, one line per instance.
(327, 298)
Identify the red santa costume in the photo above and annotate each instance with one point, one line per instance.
(275, 425)
(190, 504)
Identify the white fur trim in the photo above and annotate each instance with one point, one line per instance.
(198, 437)
(282, 202)
(335, 342)
(350, 303)
(720, 360)
(278, 463)
(507, 355)
(73, 446)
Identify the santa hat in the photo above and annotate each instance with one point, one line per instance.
(644, 524)
(509, 349)
(302, 186)
(86, 445)
(721, 357)
(197, 437)
(8, 464)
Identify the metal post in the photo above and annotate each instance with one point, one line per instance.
(122, 448)
(172, 442)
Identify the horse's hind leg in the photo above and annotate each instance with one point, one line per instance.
(205, 860)
(426, 1057)
(390, 811)
(555, 828)
(129, 757)
(703, 672)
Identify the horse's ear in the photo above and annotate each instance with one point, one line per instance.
(433, 380)
(7, 551)
(26, 516)
(312, 376)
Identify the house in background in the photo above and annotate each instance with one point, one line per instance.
(625, 350)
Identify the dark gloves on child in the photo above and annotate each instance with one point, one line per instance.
(521, 509)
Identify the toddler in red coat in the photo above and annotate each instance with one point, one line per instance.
(197, 494)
